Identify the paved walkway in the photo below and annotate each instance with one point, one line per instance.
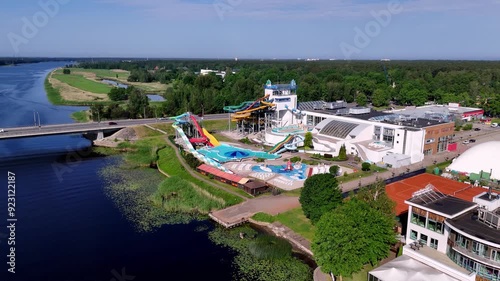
(320, 276)
(238, 214)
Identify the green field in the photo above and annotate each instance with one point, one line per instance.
(80, 116)
(294, 219)
(80, 82)
(100, 73)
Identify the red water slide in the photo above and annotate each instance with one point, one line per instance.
(203, 139)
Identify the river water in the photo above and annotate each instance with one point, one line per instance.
(67, 229)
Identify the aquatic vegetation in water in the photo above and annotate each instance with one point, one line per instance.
(261, 257)
(131, 191)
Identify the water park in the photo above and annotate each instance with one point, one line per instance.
(279, 122)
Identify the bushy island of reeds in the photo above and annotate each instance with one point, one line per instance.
(149, 199)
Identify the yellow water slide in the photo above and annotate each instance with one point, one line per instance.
(211, 138)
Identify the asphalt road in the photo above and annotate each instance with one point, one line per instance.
(20, 132)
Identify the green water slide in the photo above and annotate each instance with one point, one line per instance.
(280, 144)
(236, 108)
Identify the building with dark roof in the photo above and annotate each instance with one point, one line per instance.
(468, 233)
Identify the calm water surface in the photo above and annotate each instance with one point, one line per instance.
(67, 229)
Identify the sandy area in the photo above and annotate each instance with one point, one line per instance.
(119, 70)
(118, 137)
(74, 94)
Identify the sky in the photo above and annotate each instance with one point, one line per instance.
(252, 29)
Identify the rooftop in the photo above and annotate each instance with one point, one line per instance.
(402, 190)
(216, 172)
(445, 204)
(437, 112)
(470, 224)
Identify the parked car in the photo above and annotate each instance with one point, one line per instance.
(465, 142)
(472, 140)
(112, 123)
(2, 131)
(494, 125)
(477, 129)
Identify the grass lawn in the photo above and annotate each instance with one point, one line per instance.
(169, 163)
(82, 83)
(217, 125)
(441, 166)
(294, 219)
(360, 174)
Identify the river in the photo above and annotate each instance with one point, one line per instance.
(67, 229)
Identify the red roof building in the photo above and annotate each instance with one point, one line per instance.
(403, 190)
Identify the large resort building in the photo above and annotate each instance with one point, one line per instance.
(392, 138)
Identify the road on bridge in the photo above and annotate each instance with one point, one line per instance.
(58, 129)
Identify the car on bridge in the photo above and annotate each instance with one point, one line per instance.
(2, 131)
(112, 123)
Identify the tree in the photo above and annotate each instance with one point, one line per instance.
(365, 166)
(380, 98)
(97, 112)
(361, 99)
(118, 94)
(319, 195)
(308, 139)
(334, 170)
(66, 71)
(138, 103)
(375, 196)
(342, 153)
(351, 236)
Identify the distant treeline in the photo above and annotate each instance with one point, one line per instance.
(470, 83)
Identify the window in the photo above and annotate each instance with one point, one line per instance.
(373, 278)
(479, 248)
(434, 243)
(495, 255)
(435, 223)
(428, 152)
(413, 235)
(418, 216)
(424, 238)
(462, 241)
(429, 140)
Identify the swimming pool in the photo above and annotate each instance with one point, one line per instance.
(297, 173)
(225, 153)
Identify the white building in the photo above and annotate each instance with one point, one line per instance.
(449, 236)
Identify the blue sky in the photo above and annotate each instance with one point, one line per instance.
(340, 29)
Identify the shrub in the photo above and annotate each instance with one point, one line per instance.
(66, 71)
(365, 166)
(328, 155)
(467, 127)
(295, 159)
(334, 170)
(342, 153)
(308, 140)
(260, 160)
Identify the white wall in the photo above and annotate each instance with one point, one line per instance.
(442, 238)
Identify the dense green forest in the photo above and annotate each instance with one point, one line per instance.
(470, 83)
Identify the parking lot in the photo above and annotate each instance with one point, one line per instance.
(484, 134)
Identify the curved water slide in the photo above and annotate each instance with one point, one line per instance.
(235, 108)
(292, 145)
(203, 138)
(196, 154)
(280, 144)
(211, 138)
(289, 143)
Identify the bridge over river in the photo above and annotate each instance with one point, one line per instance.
(89, 127)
